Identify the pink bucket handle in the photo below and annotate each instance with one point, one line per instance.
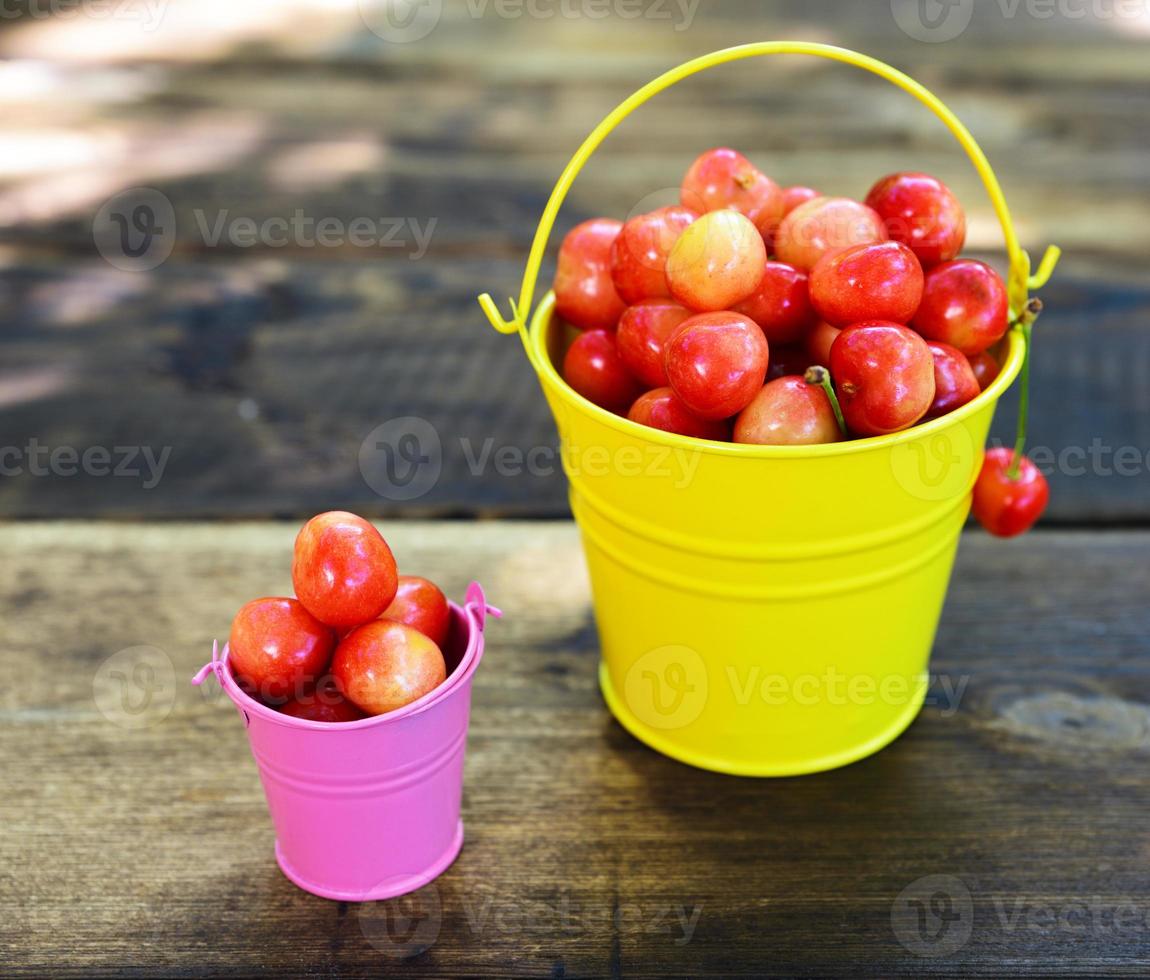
(476, 606)
(213, 666)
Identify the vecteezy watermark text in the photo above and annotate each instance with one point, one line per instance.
(1097, 459)
(1093, 916)
(303, 230)
(674, 463)
(136, 230)
(670, 686)
(402, 459)
(679, 13)
(409, 925)
(934, 916)
(837, 688)
(141, 463)
(405, 21)
(147, 13)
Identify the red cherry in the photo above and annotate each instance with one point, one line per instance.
(819, 342)
(585, 294)
(643, 331)
(323, 702)
(954, 381)
(277, 647)
(384, 665)
(964, 305)
(922, 212)
(875, 281)
(1007, 507)
(825, 224)
(884, 377)
(796, 195)
(639, 255)
(717, 262)
(788, 412)
(985, 368)
(717, 362)
(343, 571)
(594, 369)
(780, 304)
(663, 409)
(421, 604)
(788, 360)
(724, 178)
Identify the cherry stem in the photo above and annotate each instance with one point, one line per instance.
(818, 375)
(1024, 321)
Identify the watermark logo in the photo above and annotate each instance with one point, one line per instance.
(405, 926)
(663, 197)
(666, 688)
(402, 459)
(400, 21)
(938, 467)
(933, 916)
(649, 241)
(136, 229)
(135, 687)
(933, 21)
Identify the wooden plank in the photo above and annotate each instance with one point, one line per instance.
(279, 382)
(148, 851)
(268, 366)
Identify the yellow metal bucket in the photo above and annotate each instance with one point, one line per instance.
(765, 610)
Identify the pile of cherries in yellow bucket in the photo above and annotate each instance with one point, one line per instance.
(757, 314)
(359, 639)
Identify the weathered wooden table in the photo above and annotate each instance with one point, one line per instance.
(271, 364)
(1011, 816)
(133, 835)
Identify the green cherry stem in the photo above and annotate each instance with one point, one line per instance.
(818, 375)
(1024, 322)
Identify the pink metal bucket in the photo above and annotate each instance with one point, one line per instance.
(369, 809)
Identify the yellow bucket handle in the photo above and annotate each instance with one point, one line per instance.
(1020, 281)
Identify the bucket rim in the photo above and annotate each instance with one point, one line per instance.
(542, 319)
(468, 662)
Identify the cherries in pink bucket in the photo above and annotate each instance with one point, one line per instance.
(356, 698)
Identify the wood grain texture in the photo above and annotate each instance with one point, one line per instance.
(148, 851)
(269, 365)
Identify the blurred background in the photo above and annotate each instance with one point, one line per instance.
(240, 242)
